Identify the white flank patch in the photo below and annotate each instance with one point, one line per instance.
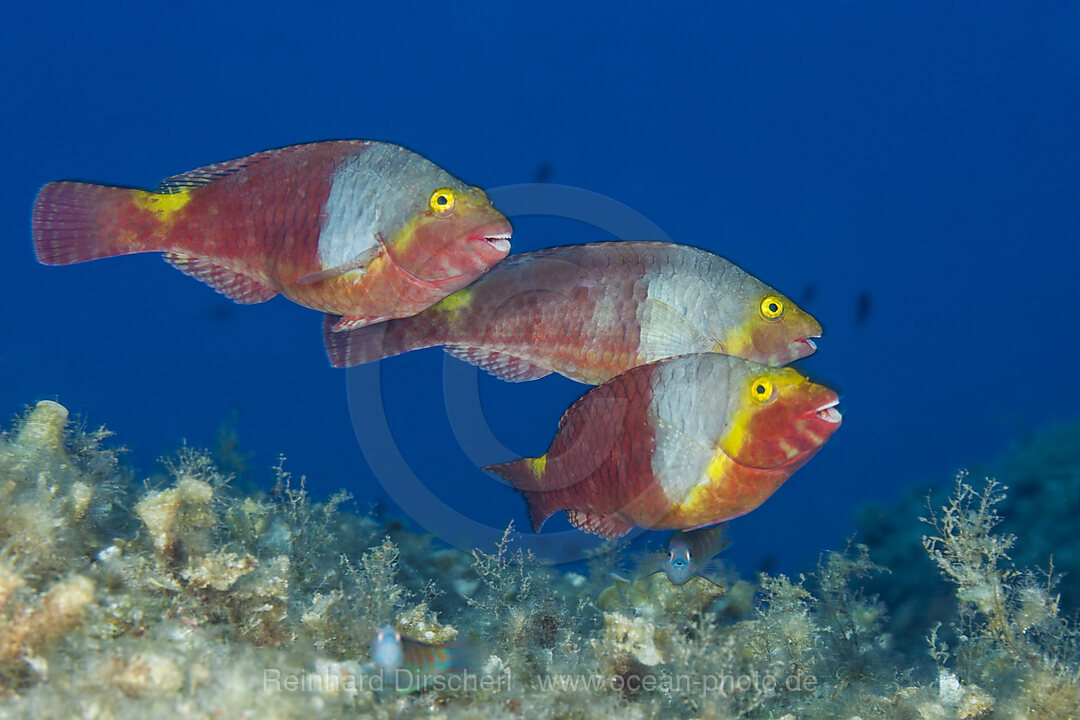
(366, 197)
(668, 326)
(689, 409)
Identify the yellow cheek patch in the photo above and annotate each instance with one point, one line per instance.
(733, 442)
(404, 236)
(740, 341)
(161, 204)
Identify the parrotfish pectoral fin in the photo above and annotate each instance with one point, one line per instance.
(503, 366)
(68, 222)
(360, 262)
(233, 285)
(666, 332)
(607, 526)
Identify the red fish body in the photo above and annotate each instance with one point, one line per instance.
(365, 230)
(680, 443)
(590, 312)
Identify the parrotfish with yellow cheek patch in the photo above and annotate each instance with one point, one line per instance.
(590, 312)
(365, 230)
(680, 443)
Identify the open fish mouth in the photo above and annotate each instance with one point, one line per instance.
(809, 342)
(499, 242)
(829, 413)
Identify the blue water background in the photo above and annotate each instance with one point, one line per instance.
(925, 154)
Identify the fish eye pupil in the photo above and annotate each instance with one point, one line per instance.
(773, 307)
(760, 389)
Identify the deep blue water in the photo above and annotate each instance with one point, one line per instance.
(924, 156)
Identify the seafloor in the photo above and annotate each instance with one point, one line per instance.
(183, 596)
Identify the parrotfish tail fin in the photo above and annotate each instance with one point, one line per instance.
(72, 222)
(522, 475)
(365, 344)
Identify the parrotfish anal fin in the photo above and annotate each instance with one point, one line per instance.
(209, 173)
(355, 322)
(503, 366)
(665, 332)
(360, 262)
(233, 285)
(607, 526)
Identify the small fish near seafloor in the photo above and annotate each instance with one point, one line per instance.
(690, 552)
(681, 443)
(365, 230)
(590, 312)
(410, 664)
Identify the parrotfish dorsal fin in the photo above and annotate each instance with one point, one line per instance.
(607, 526)
(210, 173)
(503, 366)
(666, 333)
(233, 285)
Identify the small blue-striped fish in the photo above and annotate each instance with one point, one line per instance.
(409, 664)
(689, 552)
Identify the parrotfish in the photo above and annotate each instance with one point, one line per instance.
(690, 552)
(409, 664)
(590, 312)
(681, 443)
(365, 230)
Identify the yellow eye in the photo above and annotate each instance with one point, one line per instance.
(761, 389)
(442, 201)
(772, 307)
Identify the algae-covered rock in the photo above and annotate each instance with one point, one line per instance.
(634, 637)
(177, 518)
(44, 427)
(419, 623)
(218, 570)
(30, 622)
(656, 596)
(146, 674)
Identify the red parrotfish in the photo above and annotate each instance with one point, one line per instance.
(680, 443)
(365, 230)
(590, 312)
